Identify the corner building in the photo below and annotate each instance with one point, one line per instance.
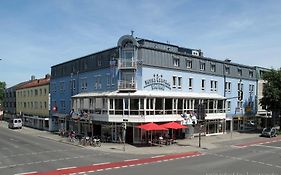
(142, 81)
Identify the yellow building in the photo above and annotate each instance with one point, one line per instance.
(33, 103)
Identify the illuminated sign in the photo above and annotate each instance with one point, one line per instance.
(157, 83)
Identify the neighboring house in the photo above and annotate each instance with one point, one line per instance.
(10, 100)
(263, 116)
(32, 101)
(142, 81)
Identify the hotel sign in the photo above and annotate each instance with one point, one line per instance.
(157, 83)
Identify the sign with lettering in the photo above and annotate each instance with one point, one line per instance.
(157, 83)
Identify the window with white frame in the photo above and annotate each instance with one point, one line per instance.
(188, 63)
(203, 84)
(84, 84)
(202, 66)
(213, 67)
(227, 87)
(190, 83)
(227, 70)
(176, 62)
(174, 81)
(239, 70)
(108, 79)
(239, 104)
(214, 85)
(228, 103)
(179, 82)
(251, 74)
(251, 88)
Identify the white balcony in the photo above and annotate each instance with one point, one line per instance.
(126, 85)
(127, 64)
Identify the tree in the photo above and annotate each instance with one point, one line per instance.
(272, 93)
(2, 92)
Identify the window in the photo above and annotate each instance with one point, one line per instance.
(35, 92)
(239, 104)
(176, 62)
(227, 70)
(239, 70)
(239, 89)
(174, 81)
(214, 86)
(99, 62)
(202, 66)
(251, 88)
(179, 82)
(189, 64)
(251, 74)
(213, 67)
(84, 84)
(228, 106)
(203, 82)
(190, 83)
(61, 86)
(227, 87)
(108, 79)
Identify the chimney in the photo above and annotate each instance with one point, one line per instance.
(32, 77)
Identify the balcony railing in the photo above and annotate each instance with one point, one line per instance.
(126, 85)
(127, 64)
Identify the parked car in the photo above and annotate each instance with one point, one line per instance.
(15, 123)
(269, 132)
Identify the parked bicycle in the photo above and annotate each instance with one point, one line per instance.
(96, 142)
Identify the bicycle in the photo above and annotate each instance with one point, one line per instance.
(96, 142)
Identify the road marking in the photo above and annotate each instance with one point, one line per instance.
(130, 160)
(32, 172)
(108, 168)
(67, 168)
(267, 146)
(157, 156)
(101, 163)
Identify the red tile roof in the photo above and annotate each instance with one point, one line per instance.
(35, 83)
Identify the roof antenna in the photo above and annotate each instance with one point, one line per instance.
(132, 32)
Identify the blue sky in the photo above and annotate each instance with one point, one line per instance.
(36, 34)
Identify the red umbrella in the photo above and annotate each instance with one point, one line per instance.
(152, 127)
(173, 125)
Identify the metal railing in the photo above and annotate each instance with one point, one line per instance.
(126, 85)
(127, 64)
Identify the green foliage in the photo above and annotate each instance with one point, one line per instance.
(2, 92)
(272, 90)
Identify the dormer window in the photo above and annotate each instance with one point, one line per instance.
(213, 67)
(176, 62)
(202, 66)
(239, 70)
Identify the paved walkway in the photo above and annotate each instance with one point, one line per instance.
(184, 145)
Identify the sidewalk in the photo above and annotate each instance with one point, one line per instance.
(185, 145)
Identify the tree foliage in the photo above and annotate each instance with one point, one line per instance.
(272, 91)
(2, 92)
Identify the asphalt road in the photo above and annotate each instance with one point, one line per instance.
(21, 153)
(263, 159)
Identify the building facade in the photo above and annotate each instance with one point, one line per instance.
(142, 81)
(33, 103)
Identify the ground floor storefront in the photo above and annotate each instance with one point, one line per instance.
(41, 123)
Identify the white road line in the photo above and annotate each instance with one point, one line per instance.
(139, 164)
(269, 164)
(100, 170)
(125, 166)
(116, 167)
(267, 146)
(32, 172)
(101, 163)
(130, 160)
(131, 165)
(157, 156)
(108, 168)
(82, 172)
(67, 168)
(91, 171)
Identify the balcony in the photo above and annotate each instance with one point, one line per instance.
(127, 64)
(126, 85)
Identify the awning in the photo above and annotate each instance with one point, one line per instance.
(173, 125)
(152, 127)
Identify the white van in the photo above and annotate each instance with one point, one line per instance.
(15, 123)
